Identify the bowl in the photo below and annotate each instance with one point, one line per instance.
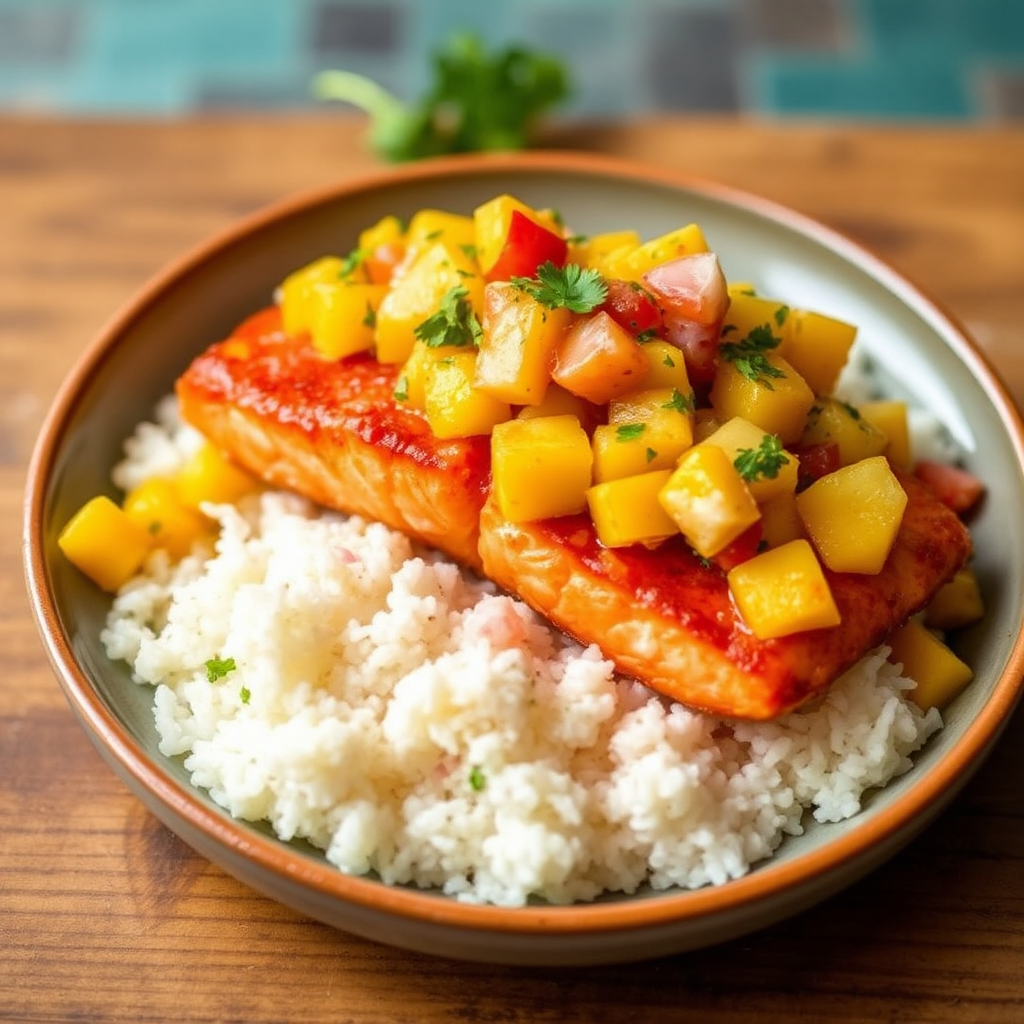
(196, 301)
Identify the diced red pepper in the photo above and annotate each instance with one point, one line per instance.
(742, 549)
(954, 487)
(527, 245)
(631, 306)
(816, 461)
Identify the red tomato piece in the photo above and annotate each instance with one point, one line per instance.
(954, 487)
(691, 288)
(631, 306)
(527, 245)
(743, 548)
(699, 345)
(816, 461)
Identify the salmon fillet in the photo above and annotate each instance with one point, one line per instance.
(332, 431)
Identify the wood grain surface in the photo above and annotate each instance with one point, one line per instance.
(106, 916)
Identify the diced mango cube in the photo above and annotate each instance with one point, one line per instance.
(518, 344)
(344, 317)
(559, 402)
(739, 435)
(708, 499)
(104, 543)
(817, 346)
(632, 264)
(629, 511)
(940, 675)
(387, 231)
(853, 515)
(209, 475)
(780, 521)
(174, 526)
(410, 385)
(599, 360)
(296, 295)
(890, 417)
(592, 250)
(777, 403)
(748, 312)
(831, 421)
(666, 368)
(783, 591)
(958, 603)
(540, 467)
(429, 226)
(453, 406)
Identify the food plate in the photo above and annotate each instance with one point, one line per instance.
(920, 352)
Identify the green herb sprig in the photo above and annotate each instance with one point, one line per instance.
(765, 461)
(569, 287)
(748, 355)
(454, 323)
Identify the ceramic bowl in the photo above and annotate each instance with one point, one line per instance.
(197, 300)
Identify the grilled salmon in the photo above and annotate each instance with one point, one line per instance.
(332, 431)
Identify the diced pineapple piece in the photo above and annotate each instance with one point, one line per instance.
(558, 402)
(491, 222)
(817, 346)
(540, 467)
(831, 421)
(783, 591)
(632, 264)
(156, 506)
(599, 360)
(417, 293)
(890, 417)
(453, 406)
(853, 515)
(296, 294)
(739, 435)
(708, 499)
(958, 603)
(667, 368)
(777, 404)
(344, 316)
(629, 511)
(386, 231)
(517, 345)
(410, 385)
(940, 675)
(591, 251)
(209, 475)
(646, 430)
(748, 312)
(104, 543)
(430, 226)
(780, 521)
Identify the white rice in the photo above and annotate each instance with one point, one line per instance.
(411, 721)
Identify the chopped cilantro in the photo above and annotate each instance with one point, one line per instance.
(454, 323)
(401, 392)
(629, 431)
(352, 262)
(780, 315)
(680, 402)
(477, 781)
(852, 411)
(649, 335)
(155, 527)
(651, 454)
(569, 287)
(245, 694)
(728, 329)
(433, 236)
(765, 461)
(218, 668)
(748, 355)
(578, 239)
(669, 362)
(370, 316)
(469, 249)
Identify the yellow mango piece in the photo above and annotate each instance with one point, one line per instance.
(453, 406)
(708, 499)
(386, 231)
(156, 506)
(410, 385)
(777, 404)
(540, 467)
(748, 312)
(940, 675)
(598, 360)
(209, 475)
(783, 591)
(629, 510)
(817, 346)
(104, 543)
(344, 317)
(429, 226)
(853, 515)
(417, 293)
(666, 369)
(296, 293)
(558, 402)
(591, 251)
(491, 223)
(739, 435)
(890, 417)
(632, 264)
(741, 288)
(780, 521)
(517, 345)
(833, 422)
(958, 603)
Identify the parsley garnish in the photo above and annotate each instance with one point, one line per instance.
(764, 461)
(629, 431)
(218, 668)
(370, 317)
(401, 392)
(669, 362)
(728, 329)
(454, 323)
(649, 335)
(569, 287)
(852, 411)
(245, 694)
(477, 781)
(469, 249)
(577, 239)
(651, 454)
(780, 315)
(351, 263)
(680, 402)
(748, 355)
(433, 236)
(155, 527)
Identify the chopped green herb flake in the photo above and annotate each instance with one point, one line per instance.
(680, 402)
(477, 781)
(651, 454)
(669, 362)
(649, 335)
(748, 291)
(469, 249)
(245, 694)
(401, 392)
(569, 287)
(370, 316)
(433, 236)
(629, 431)
(218, 668)
(780, 315)
(352, 262)
(748, 355)
(454, 323)
(852, 411)
(765, 461)
(728, 329)
(155, 527)
(577, 239)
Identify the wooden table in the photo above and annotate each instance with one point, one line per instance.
(106, 916)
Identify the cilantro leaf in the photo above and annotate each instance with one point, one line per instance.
(370, 316)
(218, 668)
(680, 402)
(748, 355)
(781, 314)
(629, 431)
(477, 101)
(651, 454)
(569, 287)
(352, 262)
(765, 461)
(245, 694)
(401, 392)
(477, 781)
(454, 323)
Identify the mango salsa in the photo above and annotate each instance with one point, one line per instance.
(105, 543)
(629, 510)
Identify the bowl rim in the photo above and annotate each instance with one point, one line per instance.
(768, 880)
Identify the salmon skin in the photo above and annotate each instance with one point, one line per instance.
(332, 431)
